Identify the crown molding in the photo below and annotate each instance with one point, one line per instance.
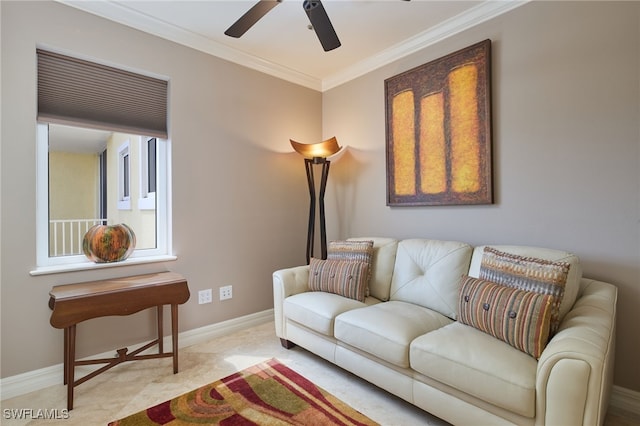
(481, 13)
(122, 14)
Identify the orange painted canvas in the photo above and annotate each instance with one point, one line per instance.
(439, 131)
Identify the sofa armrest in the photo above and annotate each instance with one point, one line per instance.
(575, 371)
(287, 282)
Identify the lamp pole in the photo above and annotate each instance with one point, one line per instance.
(309, 163)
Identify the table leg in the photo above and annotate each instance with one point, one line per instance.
(65, 356)
(160, 333)
(70, 361)
(174, 336)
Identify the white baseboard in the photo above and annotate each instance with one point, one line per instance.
(625, 399)
(31, 381)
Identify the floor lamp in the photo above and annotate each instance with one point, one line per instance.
(316, 154)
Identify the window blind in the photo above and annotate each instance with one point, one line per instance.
(79, 92)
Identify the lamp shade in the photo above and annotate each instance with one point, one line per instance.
(322, 149)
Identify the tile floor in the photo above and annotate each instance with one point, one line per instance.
(134, 386)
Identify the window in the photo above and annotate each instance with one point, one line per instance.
(102, 157)
(148, 177)
(82, 197)
(124, 191)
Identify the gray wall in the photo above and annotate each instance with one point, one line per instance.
(239, 194)
(566, 138)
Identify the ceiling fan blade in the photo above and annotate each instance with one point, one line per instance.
(321, 24)
(252, 16)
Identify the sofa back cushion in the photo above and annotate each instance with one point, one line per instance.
(571, 284)
(428, 273)
(384, 257)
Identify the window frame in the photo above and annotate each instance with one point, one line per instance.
(124, 176)
(147, 199)
(163, 250)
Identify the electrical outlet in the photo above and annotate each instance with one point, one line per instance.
(204, 296)
(226, 292)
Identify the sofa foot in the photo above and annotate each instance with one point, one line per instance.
(287, 344)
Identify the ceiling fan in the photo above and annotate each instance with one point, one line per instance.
(315, 11)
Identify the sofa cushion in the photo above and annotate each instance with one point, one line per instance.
(427, 273)
(342, 277)
(385, 330)
(520, 318)
(574, 275)
(473, 362)
(384, 257)
(317, 310)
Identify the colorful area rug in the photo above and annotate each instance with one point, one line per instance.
(268, 393)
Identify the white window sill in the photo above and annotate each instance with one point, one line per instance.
(147, 203)
(84, 266)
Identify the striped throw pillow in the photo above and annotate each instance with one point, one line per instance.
(345, 278)
(518, 317)
(357, 251)
(353, 251)
(527, 273)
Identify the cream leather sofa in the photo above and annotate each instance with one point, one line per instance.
(405, 339)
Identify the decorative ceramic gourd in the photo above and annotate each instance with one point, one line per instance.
(108, 243)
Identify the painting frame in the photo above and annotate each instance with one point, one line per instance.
(439, 131)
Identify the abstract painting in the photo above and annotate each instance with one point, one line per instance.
(438, 131)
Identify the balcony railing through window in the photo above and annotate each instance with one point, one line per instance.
(65, 235)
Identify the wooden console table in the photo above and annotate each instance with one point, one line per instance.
(74, 303)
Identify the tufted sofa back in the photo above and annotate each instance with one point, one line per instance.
(428, 273)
